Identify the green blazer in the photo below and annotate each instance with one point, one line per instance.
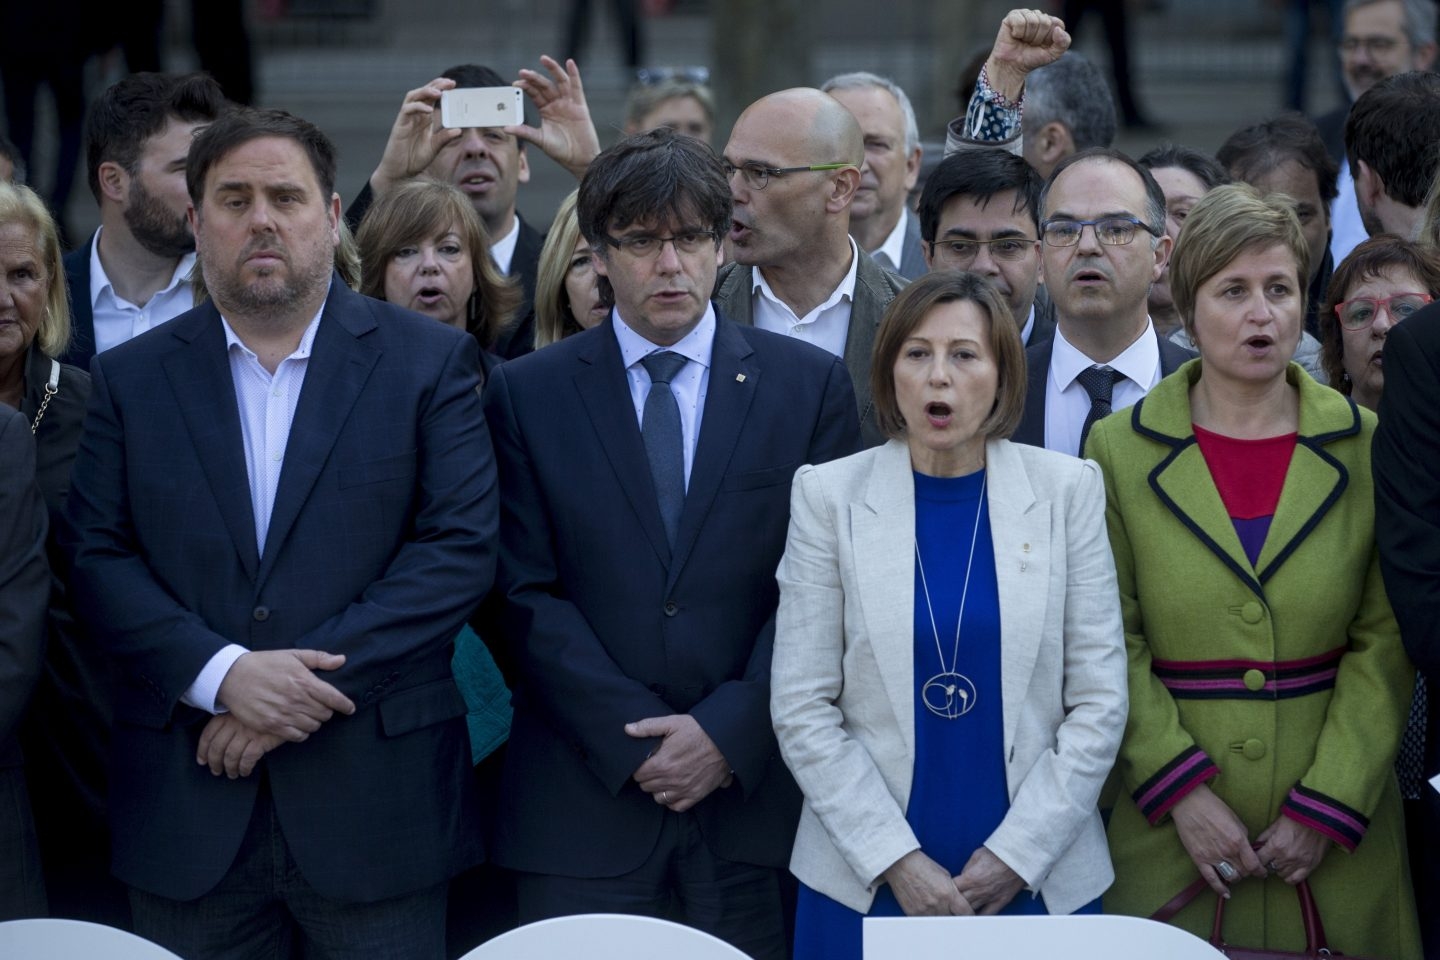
(1283, 683)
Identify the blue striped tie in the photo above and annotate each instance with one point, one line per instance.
(664, 443)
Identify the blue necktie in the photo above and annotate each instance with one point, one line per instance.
(664, 443)
(1099, 383)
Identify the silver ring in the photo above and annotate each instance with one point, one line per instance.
(1227, 872)
(665, 798)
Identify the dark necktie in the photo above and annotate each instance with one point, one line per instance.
(664, 441)
(1099, 383)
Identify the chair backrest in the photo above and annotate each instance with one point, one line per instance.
(605, 936)
(1021, 938)
(74, 940)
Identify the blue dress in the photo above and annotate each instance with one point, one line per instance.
(958, 795)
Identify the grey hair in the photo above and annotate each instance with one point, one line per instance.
(1074, 92)
(1420, 18)
(861, 79)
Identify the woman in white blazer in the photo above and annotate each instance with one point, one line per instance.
(948, 686)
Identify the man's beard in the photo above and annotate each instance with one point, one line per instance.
(267, 297)
(154, 226)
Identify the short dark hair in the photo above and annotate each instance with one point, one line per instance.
(653, 175)
(136, 108)
(1154, 196)
(979, 172)
(1395, 128)
(468, 75)
(910, 308)
(238, 127)
(1366, 262)
(1072, 91)
(1289, 137)
(1201, 166)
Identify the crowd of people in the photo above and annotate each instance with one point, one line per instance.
(376, 579)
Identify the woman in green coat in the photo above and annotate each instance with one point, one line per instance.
(1268, 685)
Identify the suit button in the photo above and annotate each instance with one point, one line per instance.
(1251, 612)
(261, 614)
(671, 608)
(1253, 749)
(1254, 680)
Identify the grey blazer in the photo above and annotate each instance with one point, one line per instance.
(875, 287)
(843, 685)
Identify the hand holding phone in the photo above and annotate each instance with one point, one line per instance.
(482, 107)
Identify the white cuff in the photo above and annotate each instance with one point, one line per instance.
(202, 693)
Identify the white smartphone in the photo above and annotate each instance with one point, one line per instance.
(482, 107)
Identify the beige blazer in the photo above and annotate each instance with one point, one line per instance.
(842, 683)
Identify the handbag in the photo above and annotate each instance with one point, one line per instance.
(1315, 943)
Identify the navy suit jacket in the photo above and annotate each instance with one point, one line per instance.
(82, 315)
(608, 626)
(380, 543)
(1037, 370)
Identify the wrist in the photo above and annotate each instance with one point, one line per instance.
(1006, 80)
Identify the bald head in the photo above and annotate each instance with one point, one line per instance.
(813, 121)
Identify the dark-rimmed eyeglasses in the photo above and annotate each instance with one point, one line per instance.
(644, 246)
(757, 175)
(1360, 312)
(1111, 231)
(965, 251)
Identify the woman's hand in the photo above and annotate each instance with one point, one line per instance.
(1027, 40)
(1291, 850)
(987, 884)
(924, 888)
(1212, 833)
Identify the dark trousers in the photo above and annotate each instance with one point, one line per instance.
(22, 890)
(265, 910)
(682, 880)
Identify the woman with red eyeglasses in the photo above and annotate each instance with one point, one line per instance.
(1382, 281)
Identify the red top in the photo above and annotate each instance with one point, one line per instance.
(1249, 474)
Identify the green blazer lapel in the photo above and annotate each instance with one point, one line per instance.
(883, 539)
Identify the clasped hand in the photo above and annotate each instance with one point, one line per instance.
(1211, 833)
(685, 768)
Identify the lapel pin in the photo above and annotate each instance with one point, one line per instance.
(739, 378)
(1025, 547)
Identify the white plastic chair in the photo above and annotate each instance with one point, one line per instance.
(74, 940)
(604, 936)
(1024, 938)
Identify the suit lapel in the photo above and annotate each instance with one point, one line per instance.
(912, 254)
(1032, 421)
(339, 365)
(199, 374)
(605, 395)
(1020, 530)
(866, 310)
(734, 378)
(734, 294)
(883, 536)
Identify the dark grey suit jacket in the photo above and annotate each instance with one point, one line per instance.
(875, 287)
(912, 255)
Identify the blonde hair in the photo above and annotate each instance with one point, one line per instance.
(19, 204)
(418, 210)
(1229, 222)
(553, 319)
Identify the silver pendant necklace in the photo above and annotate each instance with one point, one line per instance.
(951, 694)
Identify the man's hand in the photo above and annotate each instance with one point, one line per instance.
(1211, 833)
(686, 766)
(566, 133)
(925, 889)
(1291, 850)
(415, 139)
(275, 692)
(1028, 40)
(228, 746)
(987, 883)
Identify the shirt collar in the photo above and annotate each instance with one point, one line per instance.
(846, 290)
(302, 351)
(1138, 362)
(1028, 327)
(100, 282)
(697, 345)
(894, 245)
(502, 249)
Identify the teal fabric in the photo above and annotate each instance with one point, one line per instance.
(486, 696)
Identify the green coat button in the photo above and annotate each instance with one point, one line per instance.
(1254, 680)
(1252, 612)
(1254, 749)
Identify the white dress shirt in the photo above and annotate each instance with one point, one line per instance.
(1347, 230)
(502, 250)
(1066, 402)
(691, 384)
(1029, 326)
(894, 246)
(267, 404)
(118, 320)
(825, 326)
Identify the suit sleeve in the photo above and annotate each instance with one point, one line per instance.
(24, 575)
(446, 563)
(561, 663)
(112, 587)
(1059, 793)
(1406, 467)
(736, 715)
(841, 783)
(1159, 761)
